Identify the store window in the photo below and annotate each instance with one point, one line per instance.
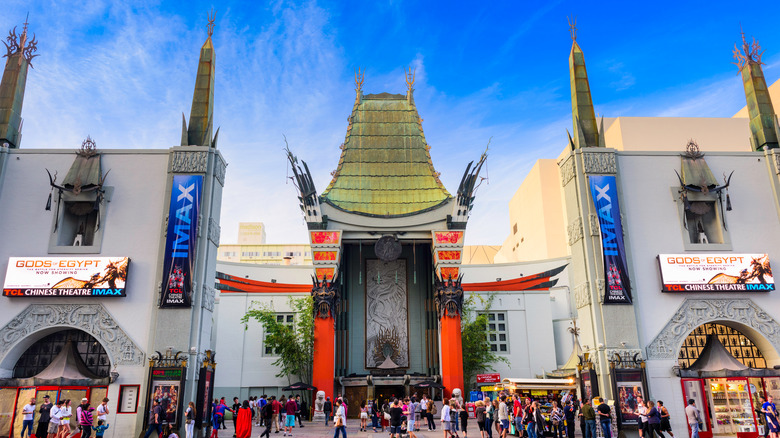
(739, 345)
(282, 318)
(39, 355)
(497, 332)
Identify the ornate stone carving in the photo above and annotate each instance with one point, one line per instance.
(387, 332)
(693, 313)
(91, 318)
(582, 295)
(207, 301)
(594, 226)
(599, 162)
(220, 168)
(567, 170)
(189, 161)
(574, 231)
(326, 298)
(601, 289)
(623, 354)
(448, 295)
(777, 162)
(214, 231)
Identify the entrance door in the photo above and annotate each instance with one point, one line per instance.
(388, 393)
(743, 414)
(694, 389)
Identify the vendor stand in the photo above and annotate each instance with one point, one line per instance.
(545, 391)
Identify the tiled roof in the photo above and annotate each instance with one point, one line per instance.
(385, 168)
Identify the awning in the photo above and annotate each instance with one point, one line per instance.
(543, 384)
(429, 384)
(715, 361)
(66, 369)
(300, 386)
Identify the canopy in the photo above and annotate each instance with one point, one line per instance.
(300, 386)
(715, 361)
(66, 369)
(429, 384)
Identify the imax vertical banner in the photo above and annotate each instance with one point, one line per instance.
(603, 188)
(181, 240)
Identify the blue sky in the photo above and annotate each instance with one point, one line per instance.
(124, 72)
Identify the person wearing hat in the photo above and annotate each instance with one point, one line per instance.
(327, 408)
(43, 420)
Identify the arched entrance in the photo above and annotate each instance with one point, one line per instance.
(66, 364)
(725, 372)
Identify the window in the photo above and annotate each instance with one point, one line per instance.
(703, 221)
(282, 318)
(497, 332)
(739, 345)
(78, 222)
(39, 355)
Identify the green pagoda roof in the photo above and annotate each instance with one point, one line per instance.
(385, 168)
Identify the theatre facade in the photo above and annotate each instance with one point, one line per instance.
(107, 262)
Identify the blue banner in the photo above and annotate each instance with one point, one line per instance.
(603, 188)
(181, 241)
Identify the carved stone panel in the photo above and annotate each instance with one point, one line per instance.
(693, 313)
(220, 168)
(595, 228)
(189, 161)
(387, 328)
(599, 162)
(91, 318)
(214, 231)
(574, 231)
(567, 170)
(208, 298)
(582, 294)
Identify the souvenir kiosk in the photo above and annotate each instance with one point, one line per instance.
(727, 391)
(545, 391)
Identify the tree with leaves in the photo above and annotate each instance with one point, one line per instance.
(294, 345)
(477, 355)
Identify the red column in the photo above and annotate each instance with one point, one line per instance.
(324, 369)
(451, 354)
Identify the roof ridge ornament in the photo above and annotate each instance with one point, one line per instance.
(572, 27)
(409, 76)
(692, 150)
(211, 17)
(88, 148)
(750, 53)
(360, 76)
(19, 43)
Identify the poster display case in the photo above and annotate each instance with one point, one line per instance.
(732, 407)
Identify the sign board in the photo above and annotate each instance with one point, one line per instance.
(66, 277)
(488, 378)
(128, 399)
(166, 385)
(605, 198)
(181, 241)
(715, 272)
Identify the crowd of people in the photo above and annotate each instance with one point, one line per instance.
(58, 420)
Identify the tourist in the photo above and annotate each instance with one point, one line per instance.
(396, 412)
(374, 414)
(28, 412)
(770, 411)
(463, 413)
(84, 415)
(569, 414)
(100, 429)
(479, 414)
(303, 408)
(589, 415)
(169, 432)
(45, 417)
(289, 410)
(605, 418)
(557, 419)
(538, 419)
(496, 421)
(489, 411)
(189, 420)
(694, 418)
(653, 420)
(529, 419)
(417, 413)
(327, 409)
(445, 419)
(234, 409)
(267, 414)
(54, 420)
(298, 410)
(244, 420)
(363, 416)
(155, 421)
(65, 414)
(666, 425)
(503, 417)
(410, 420)
(340, 420)
(644, 427)
(102, 411)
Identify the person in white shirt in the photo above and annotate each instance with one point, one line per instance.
(446, 420)
(102, 411)
(54, 419)
(503, 416)
(65, 415)
(29, 414)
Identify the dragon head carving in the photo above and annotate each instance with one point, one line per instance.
(326, 297)
(448, 295)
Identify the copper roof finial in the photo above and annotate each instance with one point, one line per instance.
(572, 27)
(359, 77)
(750, 53)
(410, 74)
(20, 43)
(211, 16)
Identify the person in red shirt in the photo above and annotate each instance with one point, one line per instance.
(290, 408)
(277, 407)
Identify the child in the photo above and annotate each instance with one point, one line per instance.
(170, 432)
(100, 429)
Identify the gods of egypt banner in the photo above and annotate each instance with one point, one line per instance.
(603, 188)
(181, 241)
(66, 277)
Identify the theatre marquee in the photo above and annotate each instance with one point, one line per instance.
(716, 272)
(66, 277)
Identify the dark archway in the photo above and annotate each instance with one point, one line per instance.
(40, 354)
(737, 343)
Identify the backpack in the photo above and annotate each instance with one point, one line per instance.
(434, 410)
(267, 411)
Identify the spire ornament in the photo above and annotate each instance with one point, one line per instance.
(750, 53)
(20, 44)
(409, 75)
(572, 27)
(360, 76)
(211, 17)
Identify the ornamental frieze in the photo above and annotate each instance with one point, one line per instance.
(91, 318)
(189, 161)
(214, 231)
(599, 162)
(574, 231)
(582, 295)
(567, 170)
(220, 168)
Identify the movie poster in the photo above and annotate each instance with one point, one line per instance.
(605, 198)
(630, 396)
(181, 241)
(167, 395)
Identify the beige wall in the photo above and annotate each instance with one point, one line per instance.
(536, 221)
(251, 233)
(268, 254)
(479, 254)
(664, 134)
